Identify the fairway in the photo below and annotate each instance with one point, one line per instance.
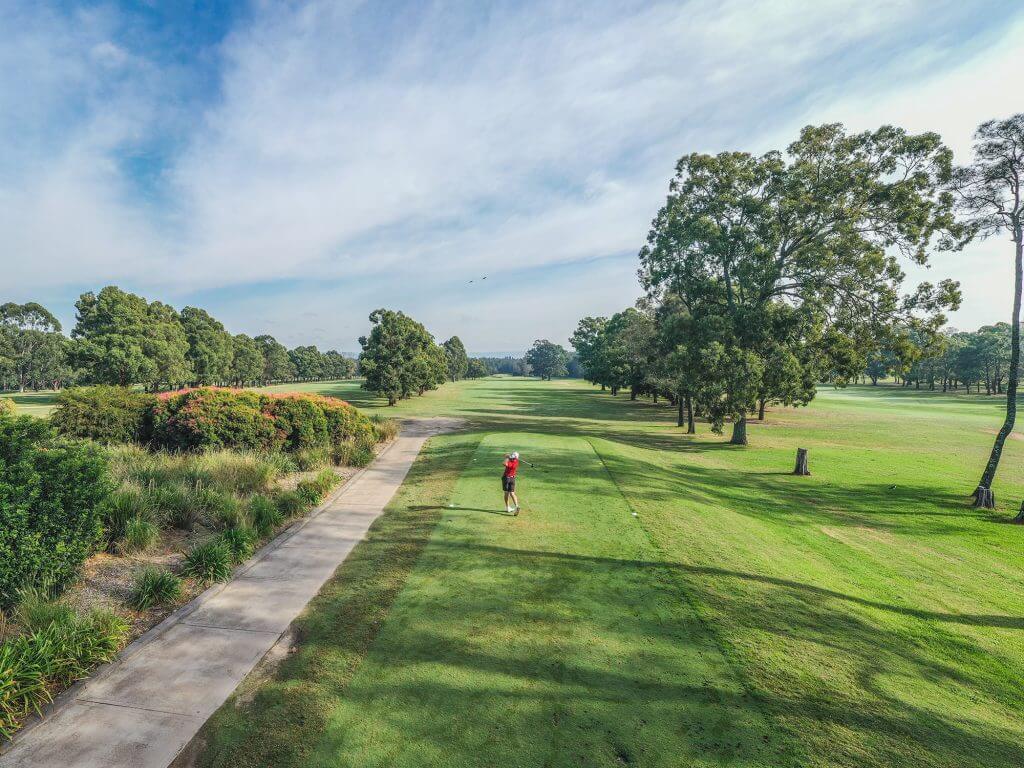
(743, 617)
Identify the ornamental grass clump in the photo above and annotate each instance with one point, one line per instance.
(154, 586)
(240, 542)
(208, 561)
(264, 514)
(139, 536)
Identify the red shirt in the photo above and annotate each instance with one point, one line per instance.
(510, 467)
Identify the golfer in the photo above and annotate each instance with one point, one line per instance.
(508, 482)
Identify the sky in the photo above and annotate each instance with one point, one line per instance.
(291, 166)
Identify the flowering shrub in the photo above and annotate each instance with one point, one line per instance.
(6, 406)
(213, 418)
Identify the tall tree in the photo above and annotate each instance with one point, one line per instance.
(590, 342)
(819, 229)
(308, 362)
(456, 359)
(989, 197)
(277, 366)
(112, 329)
(246, 360)
(166, 348)
(399, 357)
(209, 346)
(547, 359)
(32, 344)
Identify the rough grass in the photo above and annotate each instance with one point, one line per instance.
(863, 616)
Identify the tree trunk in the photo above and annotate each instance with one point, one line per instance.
(739, 431)
(679, 418)
(1011, 382)
(691, 428)
(632, 393)
(655, 396)
(760, 410)
(801, 462)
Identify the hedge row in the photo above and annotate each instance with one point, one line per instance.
(211, 417)
(51, 497)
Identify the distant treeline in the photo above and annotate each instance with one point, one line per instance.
(121, 338)
(949, 360)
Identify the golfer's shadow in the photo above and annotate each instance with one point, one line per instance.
(427, 507)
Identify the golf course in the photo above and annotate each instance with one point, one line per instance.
(663, 599)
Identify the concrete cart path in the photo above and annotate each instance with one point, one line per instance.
(142, 709)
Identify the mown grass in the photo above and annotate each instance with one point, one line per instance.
(863, 616)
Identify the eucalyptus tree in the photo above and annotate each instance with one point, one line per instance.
(166, 348)
(456, 359)
(210, 349)
(247, 361)
(31, 344)
(989, 198)
(547, 359)
(277, 366)
(819, 229)
(590, 342)
(113, 333)
(400, 357)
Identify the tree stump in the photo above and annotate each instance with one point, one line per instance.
(801, 462)
(1020, 515)
(984, 498)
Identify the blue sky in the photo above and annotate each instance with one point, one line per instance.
(291, 166)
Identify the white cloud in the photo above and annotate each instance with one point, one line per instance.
(394, 158)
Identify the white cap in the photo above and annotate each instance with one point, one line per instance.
(514, 455)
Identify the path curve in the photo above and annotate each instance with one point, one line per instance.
(141, 710)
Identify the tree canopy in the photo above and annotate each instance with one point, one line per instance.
(547, 359)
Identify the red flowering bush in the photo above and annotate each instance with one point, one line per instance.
(213, 418)
(210, 417)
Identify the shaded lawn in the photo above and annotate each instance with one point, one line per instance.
(864, 616)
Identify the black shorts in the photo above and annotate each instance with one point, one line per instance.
(508, 484)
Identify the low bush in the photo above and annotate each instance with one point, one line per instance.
(103, 413)
(7, 407)
(292, 503)
(52, 494)
(207, 418)
(47, 657)
(264, 514)
(139, 536)
(38, 608)
(300, 420)
(208, 561)
(240, 541)
(154, 586)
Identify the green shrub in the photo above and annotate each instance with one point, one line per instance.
(139, 536)
(300, 419)
(52, 494)
(154, 586)
(240, 541)
(313, 458)
(7, 407)
(121, 507)
(207, 418)
(103, 413)
(264, 514)
(292, 503)
(51, 656)
(208, 561)
(176, 506)
(284, 463)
